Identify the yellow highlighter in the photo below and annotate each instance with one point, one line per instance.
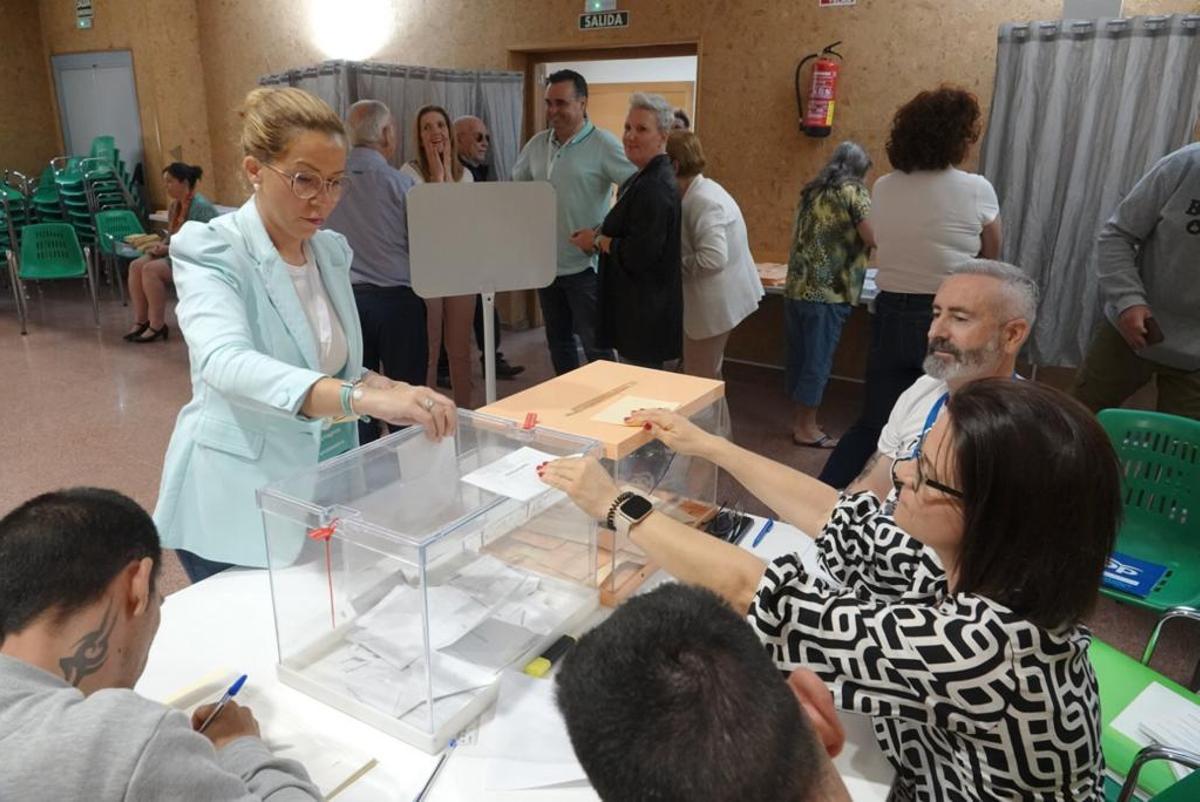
(540, 666)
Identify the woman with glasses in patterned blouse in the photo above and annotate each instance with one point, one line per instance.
(274, 340)
(953, 622)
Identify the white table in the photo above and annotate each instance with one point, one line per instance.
(225, 624)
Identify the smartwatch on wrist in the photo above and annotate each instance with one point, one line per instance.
(630, 512)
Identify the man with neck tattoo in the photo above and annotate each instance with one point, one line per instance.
(79, 608)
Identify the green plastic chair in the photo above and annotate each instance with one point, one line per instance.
(1185, 790)
(50, 252)
(1121, 679)
(1160, 462)
(112, 227)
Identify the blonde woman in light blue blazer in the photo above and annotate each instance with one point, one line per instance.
(274, 340)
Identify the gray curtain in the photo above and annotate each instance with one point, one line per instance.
(1080, 111)
(501, 100)
(495, 97)
(388, 83)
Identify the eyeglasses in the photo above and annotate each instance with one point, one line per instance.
(483, 137)
(307, 186)
(922, 479)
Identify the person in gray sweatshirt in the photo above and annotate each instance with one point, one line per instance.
(79, 608)
(1148, 260)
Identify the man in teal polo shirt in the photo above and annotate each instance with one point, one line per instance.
(582, 162)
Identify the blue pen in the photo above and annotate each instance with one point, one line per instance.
(229, 694)
(762, 532)
(436, 771)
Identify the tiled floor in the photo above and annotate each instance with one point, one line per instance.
(84, 407)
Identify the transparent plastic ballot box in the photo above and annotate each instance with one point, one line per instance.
(407, 574)
(591, 402)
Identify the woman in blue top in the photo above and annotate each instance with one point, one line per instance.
(274, 340)
(150, 273)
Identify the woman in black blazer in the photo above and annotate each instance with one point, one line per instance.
(641, 285)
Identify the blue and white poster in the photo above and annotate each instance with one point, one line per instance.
(1131, 575)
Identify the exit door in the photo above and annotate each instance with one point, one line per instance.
(97, 97)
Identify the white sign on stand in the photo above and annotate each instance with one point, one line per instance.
(482, 238)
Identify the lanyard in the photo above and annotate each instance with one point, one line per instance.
(931, 418)
(933, 413)
(552, 153)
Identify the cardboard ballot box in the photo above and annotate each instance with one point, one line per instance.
(407, 574)
(591, 402)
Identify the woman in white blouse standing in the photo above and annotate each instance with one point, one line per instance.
(721, 286)
(928, 216)
(437, 162)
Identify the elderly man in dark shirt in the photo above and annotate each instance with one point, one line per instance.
(373, 216)
(473, 143)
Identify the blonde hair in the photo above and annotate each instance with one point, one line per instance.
(422, 163)
(273, 116)
(683, 148)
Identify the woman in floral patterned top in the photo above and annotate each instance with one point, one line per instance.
(826, 266)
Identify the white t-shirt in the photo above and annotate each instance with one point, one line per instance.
(907, 420)
(925, 223)
(415, 174)
(332, 351)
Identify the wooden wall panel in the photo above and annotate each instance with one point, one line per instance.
(28, 132)
(164, 38)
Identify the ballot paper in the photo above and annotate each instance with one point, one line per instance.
(329, 762)
(623, 407)
(526, 742)
(513, 475)
(1158, 715)
(482, 617)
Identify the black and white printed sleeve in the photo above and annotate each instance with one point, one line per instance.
(968, 700)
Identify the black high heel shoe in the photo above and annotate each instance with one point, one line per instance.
(133, 335)
(150, 335)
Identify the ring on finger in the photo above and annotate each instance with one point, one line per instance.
(428, 404)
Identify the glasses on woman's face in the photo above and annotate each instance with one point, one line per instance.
(921, 478)
(306, 185)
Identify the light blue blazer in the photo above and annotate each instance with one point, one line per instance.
(253, 359)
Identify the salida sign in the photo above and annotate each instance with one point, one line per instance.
(603, 19)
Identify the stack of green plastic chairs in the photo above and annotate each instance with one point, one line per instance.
(72, 197)
(16, 210)
(45, 198)
(105, 147)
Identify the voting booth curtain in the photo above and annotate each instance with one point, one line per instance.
(1080, 111)
(493, 96)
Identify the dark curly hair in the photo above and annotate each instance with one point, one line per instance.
(934, 130)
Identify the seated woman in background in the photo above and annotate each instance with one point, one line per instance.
(150, 273)
(826, 266)
(437, 162)
(955, 622)
(721, 286)
(641, 290)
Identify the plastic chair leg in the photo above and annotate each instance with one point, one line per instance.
(91, 281)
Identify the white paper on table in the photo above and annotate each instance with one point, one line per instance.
(622, 408)
(513, 475)
(329, 762)
(1158, 715)
(526, 742)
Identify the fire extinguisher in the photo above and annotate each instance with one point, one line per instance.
(822, 94)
